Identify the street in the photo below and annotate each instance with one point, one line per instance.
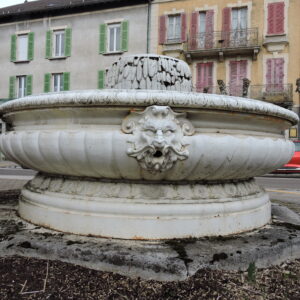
(281, 189)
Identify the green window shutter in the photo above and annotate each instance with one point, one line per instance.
(124, 38)
(101, 79)
(28, 85)
(47, 82)
(49, 44)
(13, 48)
(30, 45)
(102, 38)
(66, 78)
(12, 87)
(68, 41)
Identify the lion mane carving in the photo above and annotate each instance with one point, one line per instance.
(157, 135)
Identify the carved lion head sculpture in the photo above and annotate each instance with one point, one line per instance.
(157, 137)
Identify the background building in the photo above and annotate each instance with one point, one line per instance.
(58, 45)
(231, 40)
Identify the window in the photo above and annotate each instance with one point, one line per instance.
(237, 72)
(206, 27)
(22, 47)
(275, 18)
(239, 26)
(20, 86)
(56, 82)
(275, 74)
(204, 77)
(21, 81)
(58, 43)
(114, 37)
(174, 28)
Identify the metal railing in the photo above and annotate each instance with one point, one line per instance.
(274, 93)
(224, 39)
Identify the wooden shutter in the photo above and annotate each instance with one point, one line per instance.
(68, 41)
(233, 77)
(13, 48)
(279, 65)
(124, 35)
(12, 87)
(209, 76)
(226, 26)
(204, 76)
(101, 79)
(66, 78)
(275, 18)
(162, 29)
(102, 38)
(183, 27)
(47, 82)
(279, 17)
(194, 31)
(30, 45)
(28, 85)
(209, 28)
(271, 18)
(49, 44)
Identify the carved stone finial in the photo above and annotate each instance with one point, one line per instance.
(222, 87)
(246, 84)
(297, 86)
(157, 137)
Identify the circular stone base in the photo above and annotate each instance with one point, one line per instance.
(143, 210)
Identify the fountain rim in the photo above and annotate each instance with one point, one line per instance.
(144, 98)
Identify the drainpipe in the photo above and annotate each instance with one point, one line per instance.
(148, 25)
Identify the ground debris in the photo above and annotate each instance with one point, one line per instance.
(68, 281)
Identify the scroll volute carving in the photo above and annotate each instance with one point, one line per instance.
(157, 137)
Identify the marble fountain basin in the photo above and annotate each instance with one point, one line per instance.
(145, 164)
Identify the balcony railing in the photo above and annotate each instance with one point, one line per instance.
(275, 93)
(224, 39)
(281, 94)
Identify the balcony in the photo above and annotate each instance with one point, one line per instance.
(221, 43)
(280, 94)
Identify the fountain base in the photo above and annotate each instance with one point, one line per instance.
(140, 210)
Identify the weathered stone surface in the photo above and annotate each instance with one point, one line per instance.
(145, 67)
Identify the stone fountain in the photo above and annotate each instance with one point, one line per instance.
(146, 158)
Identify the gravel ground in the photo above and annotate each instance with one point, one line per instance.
(28, 278)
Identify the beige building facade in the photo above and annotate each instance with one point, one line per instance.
(230, 40)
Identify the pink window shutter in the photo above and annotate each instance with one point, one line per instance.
(162, 29)
(279, 74)
(269, 74)
(200, 77)
(183, 27)
(279, 18)
(194, 31)
(243, 70)
(233, 77)
(271, 18)
(209, 76)
(226, 26)
(209, 26)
